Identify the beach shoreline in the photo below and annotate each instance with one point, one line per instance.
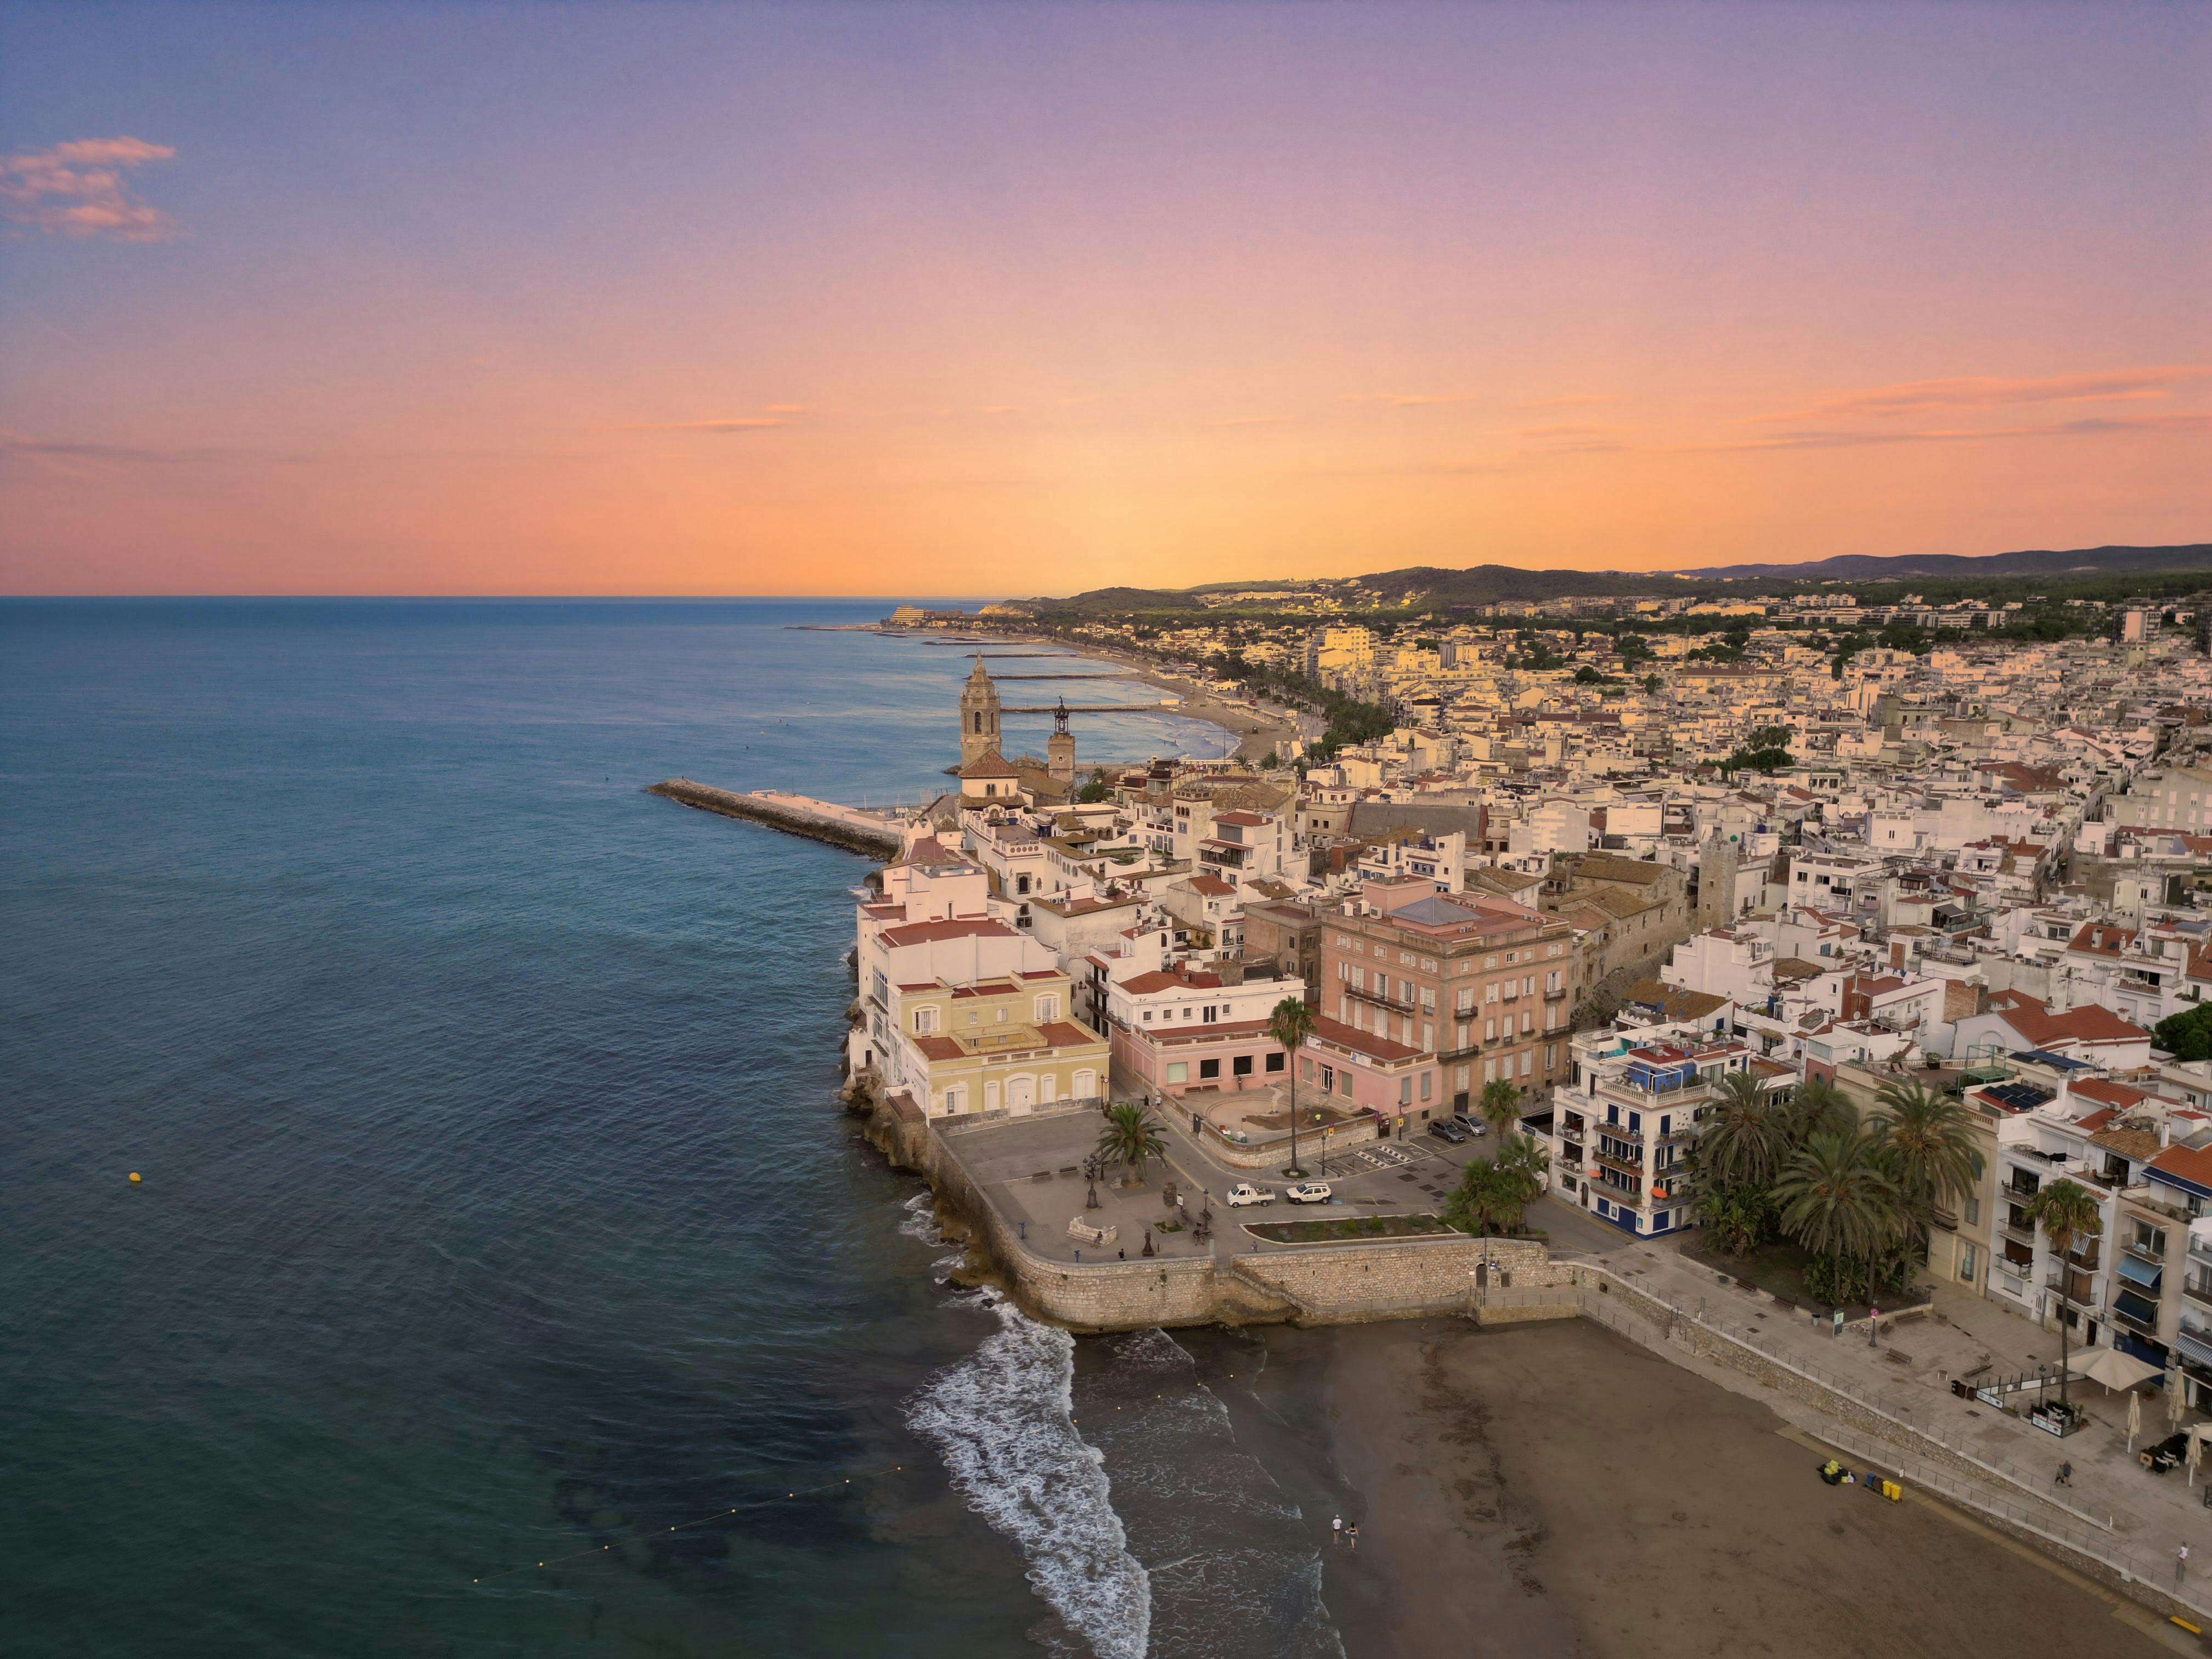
(1552, 1488)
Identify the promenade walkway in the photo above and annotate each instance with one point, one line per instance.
(1906, 1373)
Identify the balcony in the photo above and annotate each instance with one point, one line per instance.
(1448, 1054)
(1380, 999)
(2023, 1231)
(1559, 995)
(2121, 1316)
(1624, 1166)
(2078, 1288)
(2011, 1189)
(2199, 1291)
(2145, 1254)
(2195, 1344)
(1619, 1195)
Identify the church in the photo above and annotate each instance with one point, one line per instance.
(986, 774)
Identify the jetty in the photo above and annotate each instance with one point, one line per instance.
(852, 828)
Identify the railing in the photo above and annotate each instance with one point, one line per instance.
(2120, 1316)
(2074, 1289)
(1559, 995)
(1447, 1056)
(2197, 1291)
(1380, 999)
(2155, 1258)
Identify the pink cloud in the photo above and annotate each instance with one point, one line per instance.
(77, 189)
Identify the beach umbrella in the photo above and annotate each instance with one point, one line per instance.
(2110, 1367)
(2134, 1419)
(2195, 1456)
(2175, 1405)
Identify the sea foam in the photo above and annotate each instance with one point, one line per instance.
(1003, 1421)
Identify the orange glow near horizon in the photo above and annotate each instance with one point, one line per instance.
(1086, 299)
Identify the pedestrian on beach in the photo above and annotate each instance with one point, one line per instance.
(1336, 1530)
(1352, 1535)
(2180, 1562)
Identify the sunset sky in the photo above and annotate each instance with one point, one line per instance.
(1008, 300)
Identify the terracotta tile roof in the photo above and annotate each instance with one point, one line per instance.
(1066, 1034)
(926, 932)
(2191, 1165)
(1340, 1036)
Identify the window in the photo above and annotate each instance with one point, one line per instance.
(1490, 962)
(924, 1020)
(1241, 1066)
(1327, 1079)
(1405, 1091)
(1275, 1062)
(1466, 1003)
(1428, 1081)
(1148, 1017)
(1551, 1056)
(1210, 1019)
(1187, 1013)
(1178, 1070)
(1047, 1008)
(1966, 1264)
(1973, 1208)
(1344, 1082)
(1208, 1068)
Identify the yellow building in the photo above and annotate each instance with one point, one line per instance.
(1007, 1044)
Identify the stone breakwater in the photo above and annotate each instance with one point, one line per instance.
(849, 827)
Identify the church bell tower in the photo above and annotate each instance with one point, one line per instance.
(1060, 748)
(979, 715)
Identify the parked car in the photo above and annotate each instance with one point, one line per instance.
(1444, 1129)
(1308, 1192)
(1474, 1125)
(1245, 1193)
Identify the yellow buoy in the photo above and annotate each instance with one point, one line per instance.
(134, 1175)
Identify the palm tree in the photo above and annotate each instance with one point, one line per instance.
(1132, 1136)
(1750, 1135)
(2067, 1214)
(1822, 1108)
(1837, 1199)
(1291, 1024)
(1523, 1155)
(1927, 1141)
(1500, 1105)
(1491, 1197)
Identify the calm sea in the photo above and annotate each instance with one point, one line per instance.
(496, 1208)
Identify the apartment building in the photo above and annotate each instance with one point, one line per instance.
(1181, 1029)
(1482, 986)
(1623, 1126)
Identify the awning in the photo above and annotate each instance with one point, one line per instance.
(2137, 1308)
(2141, 1273)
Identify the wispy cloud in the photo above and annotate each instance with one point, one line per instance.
(2089, 426)
(1575, 439)
(1544, 404)
(77, 189)
(1984, 391)
(1407, 399)
(720, 425)
(19, 443)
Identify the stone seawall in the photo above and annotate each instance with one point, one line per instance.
(816, 821)
(1316, 1284)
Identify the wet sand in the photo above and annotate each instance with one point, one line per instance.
(1553, 1489)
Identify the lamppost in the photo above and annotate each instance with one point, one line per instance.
(1091, 1176)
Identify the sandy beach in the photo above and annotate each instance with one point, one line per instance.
(1551, 1489)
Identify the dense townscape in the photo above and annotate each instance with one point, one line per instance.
(1740, 923)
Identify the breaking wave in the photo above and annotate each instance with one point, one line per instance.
(1003, 1421)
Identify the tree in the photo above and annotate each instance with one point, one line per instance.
(1837, 1200)
(1096, 789)
(1820, 1108)
(2187, 1035)
(1500, 1104)
(1750, 1133)
(1291, 1024)
(1651, 684)
(1737, 1218)
(1271, 763)
(1525, 1154)
(1132, 1136)
(1928, 1145)
(2067, 1214)
(1491, 1197)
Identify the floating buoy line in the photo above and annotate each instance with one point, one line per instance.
(686, 1526)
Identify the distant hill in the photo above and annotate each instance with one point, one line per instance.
(1489, 584)
(2042, 561)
